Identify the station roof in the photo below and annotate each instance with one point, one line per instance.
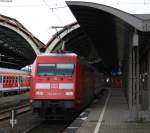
(18, 47)
(77, 41)
(109, 29)
(102, 34)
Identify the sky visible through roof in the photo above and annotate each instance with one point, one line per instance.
(38, 16)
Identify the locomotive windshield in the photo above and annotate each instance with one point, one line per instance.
(46, 69)
(64, 69)
(55, 69)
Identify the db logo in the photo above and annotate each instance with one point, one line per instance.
(54, 85)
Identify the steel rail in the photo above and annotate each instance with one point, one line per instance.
(6, 114)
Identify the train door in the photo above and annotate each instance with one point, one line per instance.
(19, 84)
(5, 88)
(1, 85)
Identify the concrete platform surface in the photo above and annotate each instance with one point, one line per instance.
(110, 114)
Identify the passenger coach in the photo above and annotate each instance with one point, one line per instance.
(13, 81)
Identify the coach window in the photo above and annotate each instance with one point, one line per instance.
(0, 79)
(65, 69)
(21, 80)
(16, 79)
(8, 79)
(28, 81)
(13, 80)
(4, 79)
(46, 69)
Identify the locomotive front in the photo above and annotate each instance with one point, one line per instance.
(53, 83)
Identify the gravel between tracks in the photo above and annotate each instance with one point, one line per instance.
(24, 122)
(12, 101)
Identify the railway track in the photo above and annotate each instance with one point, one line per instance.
(61, 126)
(6, 114)
(48, 127)
(28, 123)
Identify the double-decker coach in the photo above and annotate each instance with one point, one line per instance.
(61, 83)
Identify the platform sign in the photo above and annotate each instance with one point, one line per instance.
(114, 72)
(117, 71)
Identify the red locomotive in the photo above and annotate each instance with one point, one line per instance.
(13, 81)
(62, 83)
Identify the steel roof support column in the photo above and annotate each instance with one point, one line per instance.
(148, 83)
(130, 90)
(137, 80)
(133, 97)
(125, 76)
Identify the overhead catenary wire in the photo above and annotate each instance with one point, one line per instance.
(56, 27)
(52, 9)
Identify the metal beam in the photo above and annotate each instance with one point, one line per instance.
(128, 18)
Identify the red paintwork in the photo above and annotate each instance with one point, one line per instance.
(51, 79)
(83, 79)
(11, 84)
(116, 82)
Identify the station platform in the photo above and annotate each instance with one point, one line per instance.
(110, 114)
